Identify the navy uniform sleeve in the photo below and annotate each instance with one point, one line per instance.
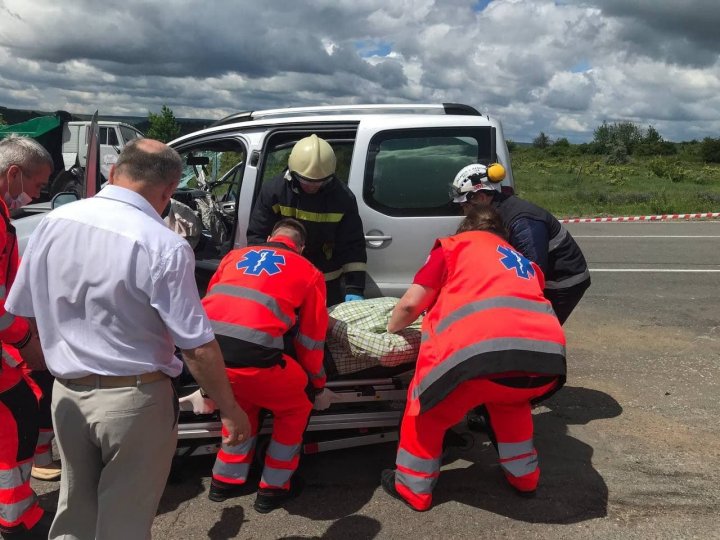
(530, 237)
(350, 248)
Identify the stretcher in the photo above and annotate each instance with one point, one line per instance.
(367, 411)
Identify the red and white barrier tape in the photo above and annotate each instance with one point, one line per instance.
(663, 217)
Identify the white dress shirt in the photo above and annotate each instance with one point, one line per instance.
(111, 287)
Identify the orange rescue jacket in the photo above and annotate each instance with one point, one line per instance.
(489, 318)
(13, 330)
(257, 295)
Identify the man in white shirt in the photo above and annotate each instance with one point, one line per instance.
(111, 290)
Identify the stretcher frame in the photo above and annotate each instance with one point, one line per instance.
(367, 411)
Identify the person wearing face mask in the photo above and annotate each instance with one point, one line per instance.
(23, 179)
(309, 191)
(25, 167)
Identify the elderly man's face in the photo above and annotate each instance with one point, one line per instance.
(29, 180)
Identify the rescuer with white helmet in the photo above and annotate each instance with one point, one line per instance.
(535, 233)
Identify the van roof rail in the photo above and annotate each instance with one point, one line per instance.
(421, 108)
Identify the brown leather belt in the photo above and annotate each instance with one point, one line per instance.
(115, 381)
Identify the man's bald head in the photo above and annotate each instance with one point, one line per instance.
(149, 161)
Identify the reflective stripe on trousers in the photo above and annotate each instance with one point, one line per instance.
(417, 474)
(281, 462)
(233, 462)
(43, 450)
(518, 459)
(18, 502)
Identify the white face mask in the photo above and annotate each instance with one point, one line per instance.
(19, 201)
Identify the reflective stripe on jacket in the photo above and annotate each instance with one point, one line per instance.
(335, 242)
(256, 296)
(489, 318)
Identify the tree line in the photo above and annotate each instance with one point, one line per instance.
(620, 140)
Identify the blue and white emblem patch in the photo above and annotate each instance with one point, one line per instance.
(264, 260)
(512, 260)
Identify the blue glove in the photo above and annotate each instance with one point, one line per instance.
(353, 297)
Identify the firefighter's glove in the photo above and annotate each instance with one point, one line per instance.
(198, 403)
(324, 399)
(353, 297)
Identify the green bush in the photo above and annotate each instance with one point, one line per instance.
(710, 150)
(660, 204)
(663, 168)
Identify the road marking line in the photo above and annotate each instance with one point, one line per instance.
(654, 270)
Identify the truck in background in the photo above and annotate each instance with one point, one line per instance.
(67, 142)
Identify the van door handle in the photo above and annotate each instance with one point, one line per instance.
(375, 240)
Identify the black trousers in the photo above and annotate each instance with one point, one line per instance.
(564, 300)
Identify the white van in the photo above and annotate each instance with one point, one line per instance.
(398, 160)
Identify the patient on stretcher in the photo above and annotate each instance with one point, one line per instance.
(358, 341)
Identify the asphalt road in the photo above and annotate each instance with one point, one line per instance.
(628, 449)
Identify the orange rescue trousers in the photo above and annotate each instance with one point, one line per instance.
(281, 390)
(421, 437)
(19, 508)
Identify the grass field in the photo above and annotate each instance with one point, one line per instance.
(570, 184)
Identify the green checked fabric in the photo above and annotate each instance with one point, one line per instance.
(360, 339)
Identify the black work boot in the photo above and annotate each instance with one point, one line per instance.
(268, 499)
(219, 491)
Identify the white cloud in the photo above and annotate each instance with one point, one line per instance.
(537, 65)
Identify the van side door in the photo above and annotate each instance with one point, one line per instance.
(401, 177)
(211, 183)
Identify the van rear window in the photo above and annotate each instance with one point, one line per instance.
(409, 172)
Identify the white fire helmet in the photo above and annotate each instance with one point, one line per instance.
(474, 178)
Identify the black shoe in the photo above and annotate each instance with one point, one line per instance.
(221, 492)
(40, 530)
(387, 481)
(268, 499)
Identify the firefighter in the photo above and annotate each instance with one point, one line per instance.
(252, 301)
(489, 337)
(309, 191)
(25, 167)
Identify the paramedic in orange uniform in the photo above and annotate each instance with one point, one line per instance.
(256, 296)
(25, 167)
(489, 337)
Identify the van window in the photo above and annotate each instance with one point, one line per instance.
(409, 172)
(279, 149)
(112, 138)
(128, 134)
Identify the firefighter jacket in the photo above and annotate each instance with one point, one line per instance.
(13, 330)
(335, 240)
(557, 253)
(489, 318)
(257, 295)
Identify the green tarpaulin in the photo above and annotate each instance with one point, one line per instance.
(34, 128)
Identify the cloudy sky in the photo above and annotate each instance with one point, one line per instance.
(562, 67)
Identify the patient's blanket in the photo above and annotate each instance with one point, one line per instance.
(360, 339)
